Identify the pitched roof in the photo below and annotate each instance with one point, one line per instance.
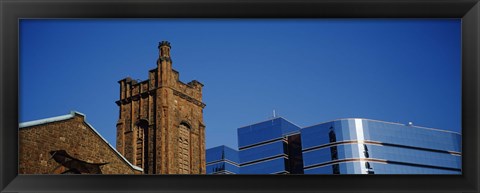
(70, 116)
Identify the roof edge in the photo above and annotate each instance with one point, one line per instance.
(69, 116)
(388, 122)
(115, 150)
(270, 119)
(49, 120)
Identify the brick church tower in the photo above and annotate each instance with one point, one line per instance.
(160, 126)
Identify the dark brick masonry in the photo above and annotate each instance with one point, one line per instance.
(74, 136)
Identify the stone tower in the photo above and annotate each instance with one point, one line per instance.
(160, 126)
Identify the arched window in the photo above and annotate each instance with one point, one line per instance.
(183, 150)
(185, 124)
(142, 125)
(142, 151)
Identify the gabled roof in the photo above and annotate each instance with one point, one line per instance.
(70, 116)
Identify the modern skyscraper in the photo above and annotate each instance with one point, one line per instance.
(222, 160)
(347, 146)
(270, 147)
(363, 146)
(160, 126)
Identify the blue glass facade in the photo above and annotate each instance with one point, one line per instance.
(222, 160)
(345, 146)
(362, 146)
(266, 147)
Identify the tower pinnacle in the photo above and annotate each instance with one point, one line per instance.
(164, 49)
(160, 127)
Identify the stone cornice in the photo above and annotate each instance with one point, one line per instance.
(151, 92)
(189, 84)
(188, 98)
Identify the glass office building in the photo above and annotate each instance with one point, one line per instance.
(222, 160)
(362, 146)
(270, 147)
(344, 146)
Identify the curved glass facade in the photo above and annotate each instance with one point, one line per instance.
(345, 146)
(362, 146)
(354, 168)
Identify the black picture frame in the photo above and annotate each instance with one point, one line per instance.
(11, 11)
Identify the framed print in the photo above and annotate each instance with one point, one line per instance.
(159, 122)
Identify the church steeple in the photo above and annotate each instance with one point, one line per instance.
(160, 127)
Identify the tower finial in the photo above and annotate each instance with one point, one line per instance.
(164, 48)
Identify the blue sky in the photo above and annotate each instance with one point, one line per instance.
(309, 71)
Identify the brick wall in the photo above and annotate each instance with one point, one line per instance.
(165, 103)
(72, 135)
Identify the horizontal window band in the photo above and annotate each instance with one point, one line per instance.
(425, 166)
(262, 143)
(378, 143)
(279, 172)
(282, 172)
(222, 160)
(223, 172)
(344, 160)
(377, 161)
(339, 143)
(264, 160)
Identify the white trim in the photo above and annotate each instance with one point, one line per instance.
(359, 130)
(69, 116)
(47, 120)
(360, 139)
